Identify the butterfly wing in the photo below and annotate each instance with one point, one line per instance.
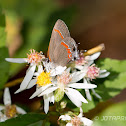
(64, 52)
(59, 32)
(61, 45)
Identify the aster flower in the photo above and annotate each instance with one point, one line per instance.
(87, 66)
(44, 80)
(34, 59)
(65, 83)
(8, 110)
(73, 120)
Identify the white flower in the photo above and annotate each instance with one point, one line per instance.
(34, 59)
(87, 66)
(44, 81)
(8, 110)
(76, 120)
(65, 83)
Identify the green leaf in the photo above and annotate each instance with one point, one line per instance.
(25, 120)
(114, 115)
(4, 67)
(115, 82)
(112, 86)
(39, 123)
(90, 105)
(112, 65)
(2, 30)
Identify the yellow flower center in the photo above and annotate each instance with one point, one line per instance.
(10, 111)
(43, 79)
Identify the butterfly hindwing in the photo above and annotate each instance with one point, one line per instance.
(64, 51)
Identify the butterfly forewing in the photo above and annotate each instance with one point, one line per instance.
(59, 32)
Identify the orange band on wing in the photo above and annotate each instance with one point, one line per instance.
(68, 50)
(69, 56)
(62, 43)
(59, 33)
(49, 59)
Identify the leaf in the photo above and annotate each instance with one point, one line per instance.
(112, 65)
(115, 115)
(115, 82)
(4, 66)
(39, 123)
(112, 87)
(2, 29)
(89, 106)
(25, 120)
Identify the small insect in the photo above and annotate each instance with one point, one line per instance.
(62, 48)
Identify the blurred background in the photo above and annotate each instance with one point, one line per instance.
(29, 24)
(91, 22)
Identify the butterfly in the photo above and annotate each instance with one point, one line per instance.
(62, 48)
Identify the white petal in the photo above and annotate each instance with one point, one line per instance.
(16, 60)
(87, 122)
(48, 91)
(77, 76)
(75, 96)
(28, 68)
(81, 112)
(79, 67)
(40, 90)
(95, 56)
(20, 110)
(103, 75)
(51, 97)
(87, 91)
(58, 70)
(1, 113)
(46, 103)
(97, 95)
(82, 86)
(65, 117)
(36, 74)
(37, 92)
(90, 62)
(31, 83)
(88, 95)
(2, 107)
(69, 124)
(40, 69)
(2, 117)
(68, 69)
(17, 91)
(27, 78)
(102, 71)
(7, 97)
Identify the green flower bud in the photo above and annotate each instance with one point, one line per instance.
(58, 95)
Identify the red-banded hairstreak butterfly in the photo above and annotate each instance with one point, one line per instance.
(62, 48)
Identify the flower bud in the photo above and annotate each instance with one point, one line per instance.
(58, 95)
